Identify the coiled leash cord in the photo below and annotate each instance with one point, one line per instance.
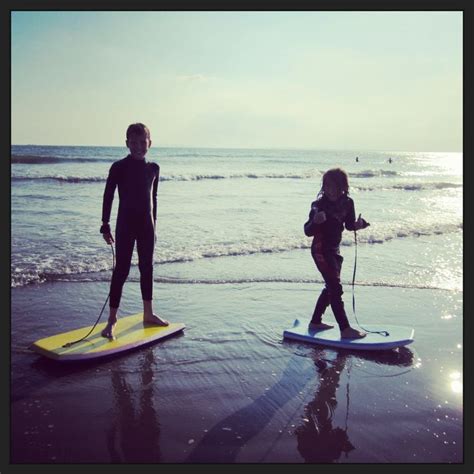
(68, 344)
(383, 333)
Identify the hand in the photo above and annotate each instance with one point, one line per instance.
(108, 238)
(319, 217)
(361, 223)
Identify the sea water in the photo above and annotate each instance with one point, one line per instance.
(237, 215)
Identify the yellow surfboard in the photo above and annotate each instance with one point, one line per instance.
(130, 332)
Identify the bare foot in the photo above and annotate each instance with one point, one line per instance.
(155, 320)
(351, 333)
(315, 326)
(108, 331)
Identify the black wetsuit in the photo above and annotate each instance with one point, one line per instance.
(326, 255)
(137, 182)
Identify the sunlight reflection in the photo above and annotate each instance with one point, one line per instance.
(456, 384)
(448, 162)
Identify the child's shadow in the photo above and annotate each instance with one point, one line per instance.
(221, 445)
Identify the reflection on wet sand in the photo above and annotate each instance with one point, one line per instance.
(129, 423)
(318, 440)
(134, 433)
(132, 428)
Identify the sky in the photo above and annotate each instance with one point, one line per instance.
(350, 80)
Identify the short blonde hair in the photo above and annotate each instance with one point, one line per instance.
(138, 129)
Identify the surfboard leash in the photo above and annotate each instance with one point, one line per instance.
(383, 333)
(68, 344)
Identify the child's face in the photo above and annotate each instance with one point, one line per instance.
(331, 190)
(138, 145)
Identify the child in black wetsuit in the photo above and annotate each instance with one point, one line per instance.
(332, 210)
(137, 182)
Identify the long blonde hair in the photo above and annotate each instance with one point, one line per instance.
(337, 176)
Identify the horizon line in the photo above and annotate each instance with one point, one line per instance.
(250, 148)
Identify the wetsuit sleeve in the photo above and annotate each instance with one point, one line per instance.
(350, 216)
(109, 192)
(310, 226)
(155, 191)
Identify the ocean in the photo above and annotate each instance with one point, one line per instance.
(232, 263)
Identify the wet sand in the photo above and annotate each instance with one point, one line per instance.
(230, 389)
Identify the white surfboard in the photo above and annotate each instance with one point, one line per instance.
(130, 333)
(398, 336)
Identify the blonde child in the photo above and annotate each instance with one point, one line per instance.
(330, 212)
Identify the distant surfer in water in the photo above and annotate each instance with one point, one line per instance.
(137, 182)
(332, 209)
(357, 159)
